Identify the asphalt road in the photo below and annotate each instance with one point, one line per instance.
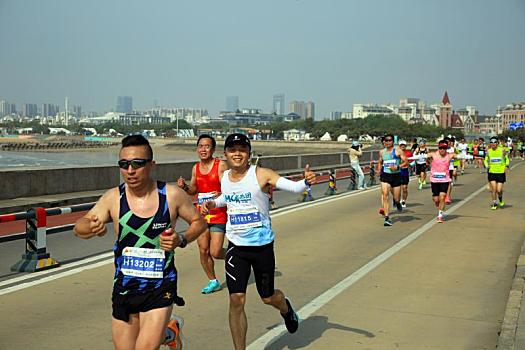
(357, 284)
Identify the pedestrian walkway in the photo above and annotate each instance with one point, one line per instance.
(447, 289)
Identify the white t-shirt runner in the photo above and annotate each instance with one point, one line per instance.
(248, 212)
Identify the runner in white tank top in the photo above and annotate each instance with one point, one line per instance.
(245, 193)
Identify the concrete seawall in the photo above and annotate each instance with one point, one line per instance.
(47, 181)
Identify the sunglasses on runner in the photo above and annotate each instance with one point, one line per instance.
(388, 140)
(135, 163)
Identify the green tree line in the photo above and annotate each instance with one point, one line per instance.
(374, 125)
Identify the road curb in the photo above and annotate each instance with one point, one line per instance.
(512, 334)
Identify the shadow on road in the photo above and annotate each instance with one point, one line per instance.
(404, 218)
(310, 330)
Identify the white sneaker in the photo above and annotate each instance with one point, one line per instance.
(403, 204)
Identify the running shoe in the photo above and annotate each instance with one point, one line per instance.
(403, 204)
(174, 338)
(291, 319)
(494, 206)
(381, 211)
(501, 204)
(448, 200)
(440, 219)
(213, 286)
(387, 222)
(399, 207)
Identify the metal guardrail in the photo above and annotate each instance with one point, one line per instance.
(37, 258)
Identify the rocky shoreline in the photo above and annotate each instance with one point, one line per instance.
(47, 146)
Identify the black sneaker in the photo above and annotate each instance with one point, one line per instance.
(387, 222)
(291, 320)
(399, 207)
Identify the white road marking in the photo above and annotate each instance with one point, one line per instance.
(54, 277)
(314, 305)
(55, 270)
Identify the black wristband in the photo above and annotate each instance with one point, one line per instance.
(183, 241)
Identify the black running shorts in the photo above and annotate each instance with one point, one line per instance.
(405, 179)
(420, 168)
(439, 187)
(125, 305)
(393, 180)
(239, 262)
(501, 178)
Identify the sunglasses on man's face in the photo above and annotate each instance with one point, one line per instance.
(443, 147)
(135, 163)
(388, 140)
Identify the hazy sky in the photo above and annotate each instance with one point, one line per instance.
(195, 53)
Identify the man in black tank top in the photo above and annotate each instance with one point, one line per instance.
(144, 213)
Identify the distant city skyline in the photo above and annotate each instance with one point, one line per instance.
(334, 54)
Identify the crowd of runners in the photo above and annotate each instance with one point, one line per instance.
(231, 198)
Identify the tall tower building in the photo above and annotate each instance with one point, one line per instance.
(304, 109)
(278, 104)
(29, 110)
(49, 110)
(124, 104)
(232, 103)
(298, 108)
(4, 106)
(310, 110)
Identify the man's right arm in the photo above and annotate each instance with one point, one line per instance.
(94, 222)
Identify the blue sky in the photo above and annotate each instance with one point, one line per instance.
(195, 53)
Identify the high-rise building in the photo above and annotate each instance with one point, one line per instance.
(29, 110)
(310, 110)
(335, 115)
(7, 108)
(49, 110)
(232, 103)
(124, 104)
(77, 111)
(278, 104)
(304, 109)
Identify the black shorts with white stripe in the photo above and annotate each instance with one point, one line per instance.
(239, 262)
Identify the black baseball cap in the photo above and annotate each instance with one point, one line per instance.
(239, 139)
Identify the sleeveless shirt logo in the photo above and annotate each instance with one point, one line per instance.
(157, 225)
(238, 198)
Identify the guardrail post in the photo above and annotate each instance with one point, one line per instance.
(332, 185)
(352, 186)
(36, 257)
(306, 196)
(372, 175)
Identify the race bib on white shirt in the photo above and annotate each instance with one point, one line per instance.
(244, 218)
(439, 175)
(205, 197)
(143, 262)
